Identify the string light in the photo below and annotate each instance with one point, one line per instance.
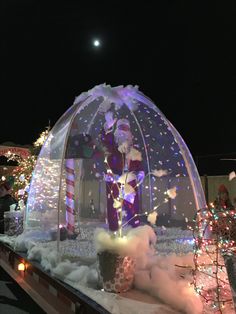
(212, 239)
(42, 138)
(23, 172)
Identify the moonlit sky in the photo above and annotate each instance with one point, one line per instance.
(181, 55)
(96, 42)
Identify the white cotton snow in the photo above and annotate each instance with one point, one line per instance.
(7, 240)
(177, 294)
(165, 277)
(28, 239)
(49, 261)
(35, 253)
(92, 278)
(158, 276)
(134, 243)
(162, 279)
(63, 269)
(79, 274)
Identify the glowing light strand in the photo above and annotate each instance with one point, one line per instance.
(211, 241)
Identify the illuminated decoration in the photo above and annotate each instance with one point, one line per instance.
(20, 151)
(169, 185)
(169, 189)
(126, 191)
(215, 236)
(70, 195)
(42, 138)
(23, 172)
(21, 267)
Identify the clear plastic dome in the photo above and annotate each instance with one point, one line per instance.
(113, 144)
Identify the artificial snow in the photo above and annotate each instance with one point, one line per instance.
(232, 175)
(162, 280)
(135, 242)
(134, 154)
(161, 285)
(152, 217)
(172, 192)
(65, 269)
(159, 173)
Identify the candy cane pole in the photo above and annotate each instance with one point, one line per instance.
(70, 195)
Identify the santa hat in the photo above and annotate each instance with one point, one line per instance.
(223, 189)
(123, 124)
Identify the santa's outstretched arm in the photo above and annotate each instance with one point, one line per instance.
(106, 135)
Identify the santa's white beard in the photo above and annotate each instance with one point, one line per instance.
(122, 137)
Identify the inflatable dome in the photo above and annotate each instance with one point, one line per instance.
(112, 159)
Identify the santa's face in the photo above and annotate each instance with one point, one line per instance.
(122, 136)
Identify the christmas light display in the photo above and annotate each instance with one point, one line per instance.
(23, 172)
(166, 184)
(42, 138)
(125, 189)
(214, 235)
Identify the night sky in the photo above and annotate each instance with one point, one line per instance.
(181, 54)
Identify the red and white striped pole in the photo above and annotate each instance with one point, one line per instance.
(70, 195)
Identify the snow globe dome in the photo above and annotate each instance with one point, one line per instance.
(113, 147)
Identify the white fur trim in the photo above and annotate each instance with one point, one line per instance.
(134, 154)
(127, 177)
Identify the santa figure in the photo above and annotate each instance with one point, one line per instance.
(124, 171)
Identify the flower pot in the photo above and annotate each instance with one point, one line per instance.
(117, 272)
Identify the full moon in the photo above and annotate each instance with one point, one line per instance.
(96, 43)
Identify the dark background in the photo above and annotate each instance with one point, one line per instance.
(180, 53)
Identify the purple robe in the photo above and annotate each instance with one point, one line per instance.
(115, 161)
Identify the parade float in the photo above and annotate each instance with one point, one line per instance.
(112, 193)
